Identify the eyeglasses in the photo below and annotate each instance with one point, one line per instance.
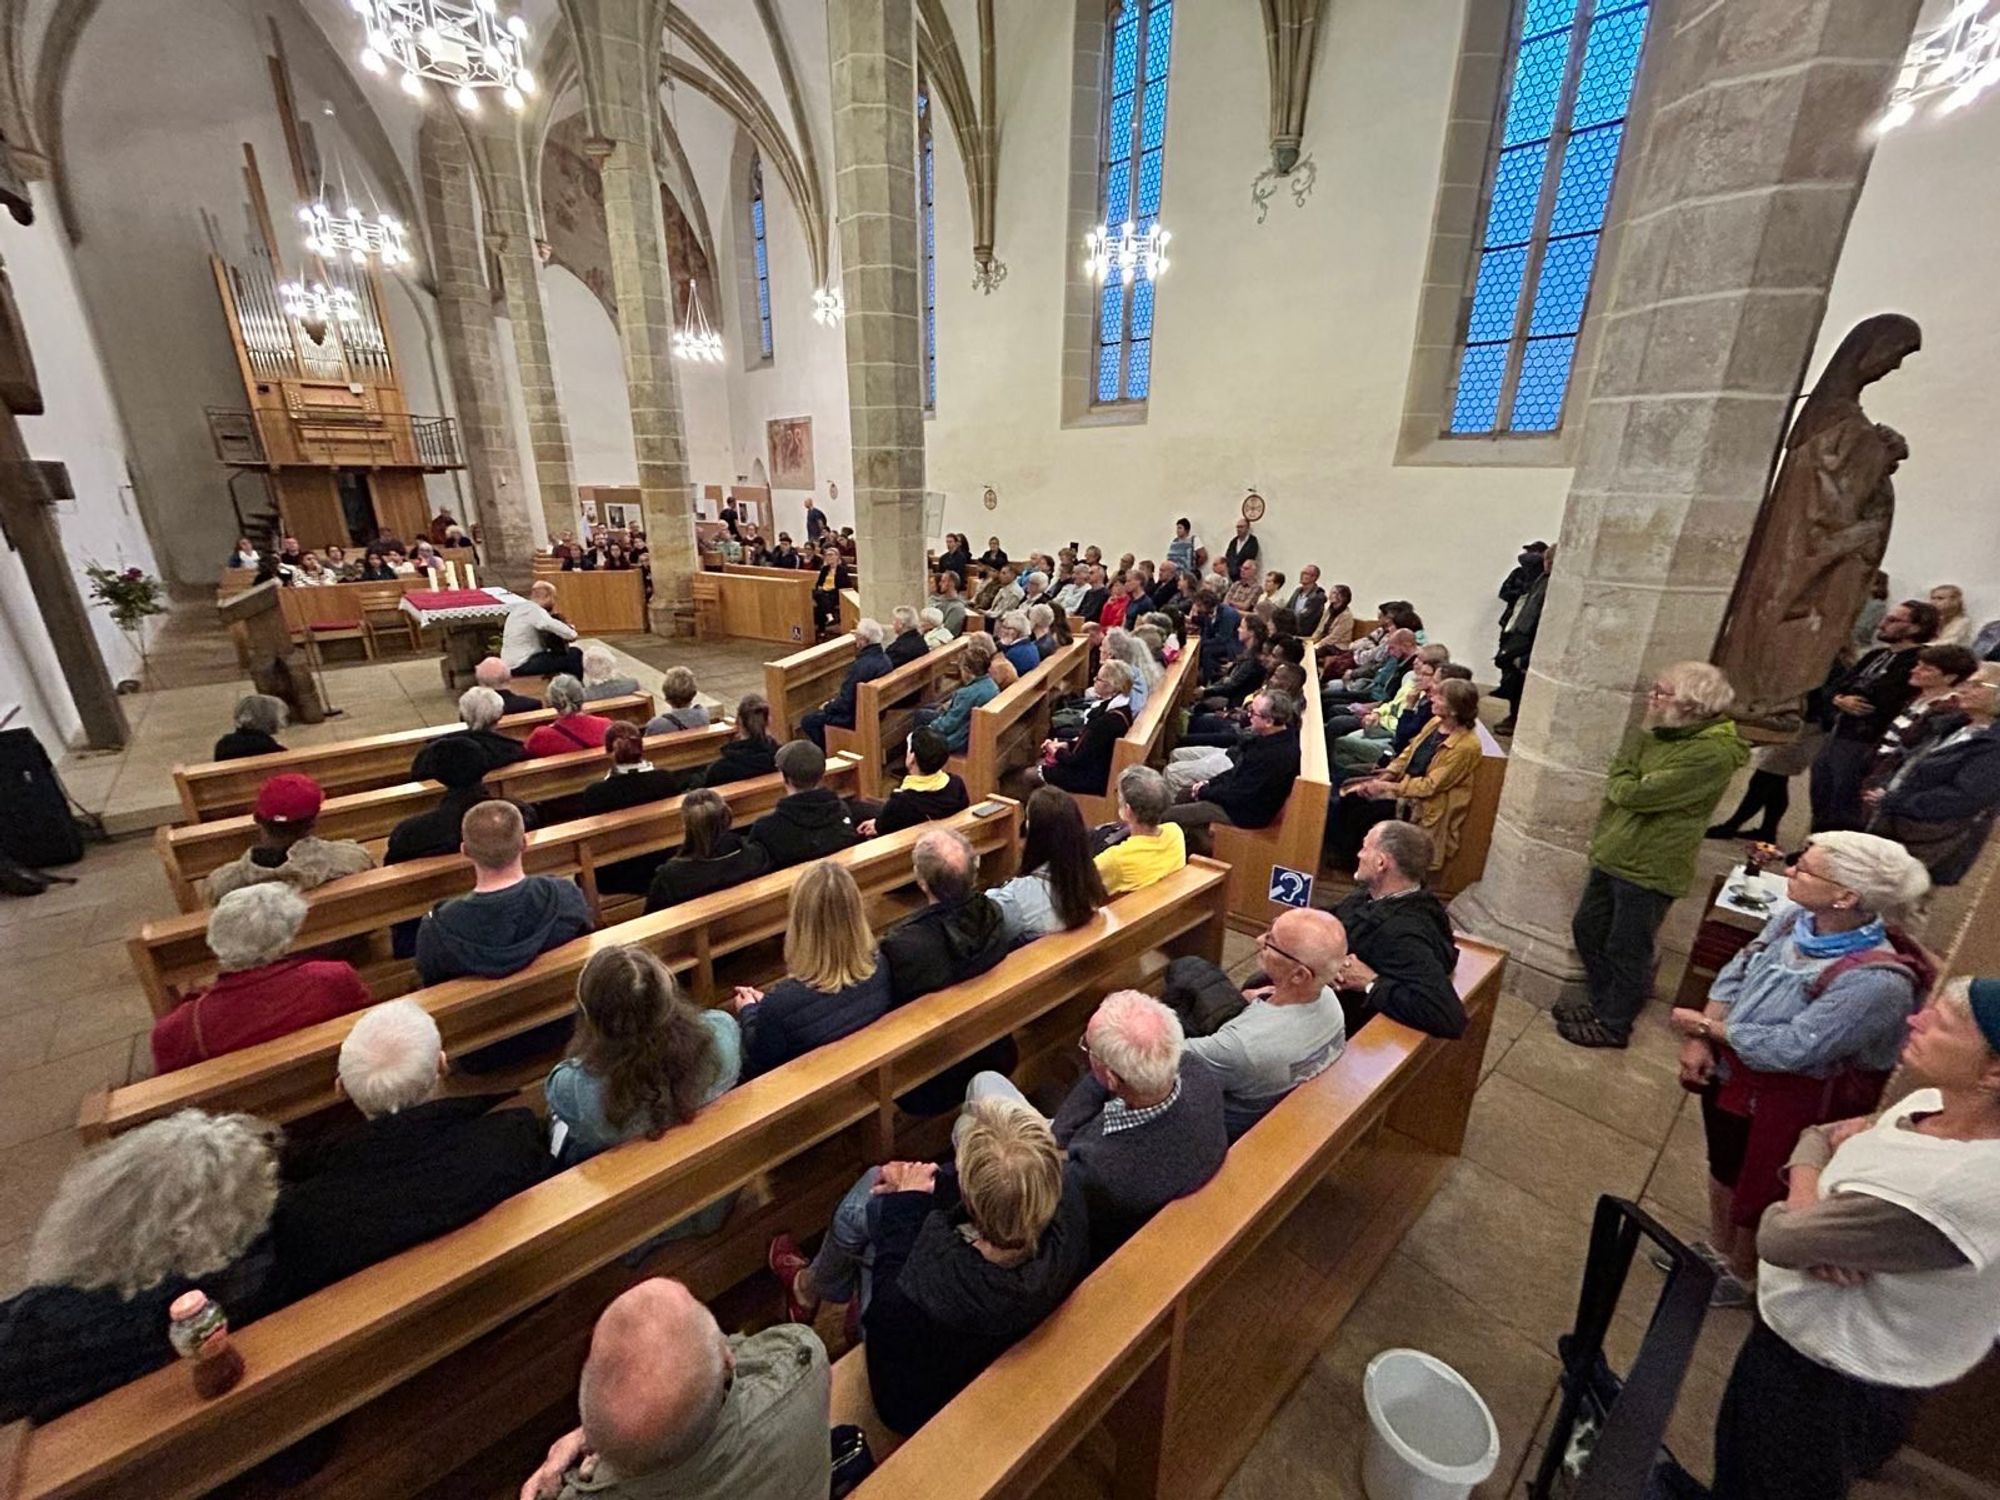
(1264, 941)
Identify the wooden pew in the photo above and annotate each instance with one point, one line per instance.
(392, 1330)
(1468, 860)
(1175, 1346)
(1149, 739)
(292, 1076)
(799, 683)
(607, 601)
(171, 957)
(1008, 732)
(850, 608)
(1293, 839)
(885, 710)
(190, 853)
(752, 603)
(228, 788)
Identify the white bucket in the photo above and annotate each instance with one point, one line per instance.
(1430, 1436)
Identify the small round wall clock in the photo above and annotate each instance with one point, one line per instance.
(992, 500)
(1253, 507)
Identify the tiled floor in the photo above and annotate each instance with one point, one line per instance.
(1486, 1279)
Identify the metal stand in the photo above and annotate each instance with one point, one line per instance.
(1630, 1416)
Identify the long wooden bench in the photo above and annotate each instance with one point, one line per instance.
(189, 853)
(1151, 736)
(1184, 1343)
(1468, 860)
(799, 683)
(1293, 839)
(885, 709)
(597, 601)
(393, 1330)
(171, 957)
(292, 1076)
(752, 603)
(228, 788)
(1008, 732)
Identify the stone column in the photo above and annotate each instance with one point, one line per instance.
(620, 53)
(873, 48)
(1736, 200)
(510, 230)
(465, 315)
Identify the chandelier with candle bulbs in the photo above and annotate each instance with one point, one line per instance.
(696, 339)
(1952, 63)
(355, 236)
(1129, 253)
(316, 304)
(460, 44)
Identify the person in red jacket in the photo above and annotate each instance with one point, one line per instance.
(261, 993)
(573, 729)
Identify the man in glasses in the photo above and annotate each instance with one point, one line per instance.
(1291, 1030)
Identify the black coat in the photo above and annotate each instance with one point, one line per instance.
(1093, 603)
(869, 663)
(1407, 941)
(804, 826)
(1254, 790)
(424, 834)
(906, 809)
(353, 1199)
(957, 561)
(794, 1018)
(1882, 676)
(906, 648)
(1240, 550)
(498, 749)
(241, 744)
(512, 702)
(1084, 764)
(942, 945)
(1945, 804)
(742, 759)
(681, 879)
(633, 789)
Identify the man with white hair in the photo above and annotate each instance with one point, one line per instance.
(673, 1406)
(262, 991)
(601, 676)
(870, 662)
(493, 673)
(1292, 1029)
(909, 642)
(1659, 792)
(418, 1166)
(535, 640)
(1069, 597)
(479, 709)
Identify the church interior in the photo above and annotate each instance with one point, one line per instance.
(933, 748)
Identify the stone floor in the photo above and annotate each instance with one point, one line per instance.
(1486, 1279)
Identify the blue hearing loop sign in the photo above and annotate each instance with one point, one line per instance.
(1291, 887)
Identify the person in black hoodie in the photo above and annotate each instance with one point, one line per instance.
(928, 794)
(632, 780)
(810, 820)
(509, 920)
(750, 751)
(479, 709)
(1400, 951)
(908, 643)
(870, 662)
(1253, 792)
(418, 1167)
(967, 1260)
(462, 769)
(258, 719)
(711, 857)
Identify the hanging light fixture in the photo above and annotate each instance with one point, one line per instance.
(318, 307)
(695, 339)
(1129, 254)
(354, 235)
(1953, 63)
(462, 45)
(829, 307)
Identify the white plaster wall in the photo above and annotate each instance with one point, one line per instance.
(80, 427)
(1922, 243)
(590, 373)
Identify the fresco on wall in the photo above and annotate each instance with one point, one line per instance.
(791, 444)
(573, 212)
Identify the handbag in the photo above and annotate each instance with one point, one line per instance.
(852, 1460)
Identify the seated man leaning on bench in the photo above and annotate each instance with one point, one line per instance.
(870, 662)
(1253, 791)
(287, 850)
(479, 709)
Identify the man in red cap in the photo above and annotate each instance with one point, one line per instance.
(286, 849)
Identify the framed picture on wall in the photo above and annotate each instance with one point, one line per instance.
(791, 443)
(619, 516)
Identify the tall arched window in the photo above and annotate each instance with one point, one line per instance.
(1573, 65)
(927, 209)
(1130, 170)
(761, 254)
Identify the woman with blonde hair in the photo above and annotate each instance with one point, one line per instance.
(835, 981)
(1954, 624)
(184, 1202)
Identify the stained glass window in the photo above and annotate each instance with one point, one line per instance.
(1135, 136)
(762, 256)
(1574, 63)
(927, 206)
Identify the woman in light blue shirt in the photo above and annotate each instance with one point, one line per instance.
(1058, 887)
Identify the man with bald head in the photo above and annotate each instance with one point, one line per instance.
(535, 641)
(673, 1407)
(494, 673)
(1291, 1030)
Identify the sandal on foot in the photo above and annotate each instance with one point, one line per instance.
(786, 1262)
(1572, 1010)
(1590, 1032)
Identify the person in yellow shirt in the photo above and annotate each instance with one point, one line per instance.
(1151, 849)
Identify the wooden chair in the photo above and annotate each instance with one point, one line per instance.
(382, 613)
(546, 1257)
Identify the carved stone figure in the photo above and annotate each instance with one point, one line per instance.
(1822, 531)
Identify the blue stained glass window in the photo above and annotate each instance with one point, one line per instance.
(1574, 65)
(1131, 174)
(761, 255)
(927, 196)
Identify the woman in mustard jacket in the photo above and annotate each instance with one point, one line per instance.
(1430, 783)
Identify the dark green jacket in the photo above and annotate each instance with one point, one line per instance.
(1658, 795)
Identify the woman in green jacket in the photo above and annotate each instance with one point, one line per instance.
(1659, 792)
(954, 720)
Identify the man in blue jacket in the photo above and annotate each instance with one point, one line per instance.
(870, 662)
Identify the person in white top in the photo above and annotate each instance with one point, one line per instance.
(533, 641)
(1879, 1275)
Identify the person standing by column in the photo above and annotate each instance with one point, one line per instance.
(1659, 792)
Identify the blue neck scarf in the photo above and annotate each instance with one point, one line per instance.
(1814, 944)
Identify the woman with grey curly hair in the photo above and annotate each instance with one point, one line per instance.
(573, 729)
(183, 1202)
(259, 717)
